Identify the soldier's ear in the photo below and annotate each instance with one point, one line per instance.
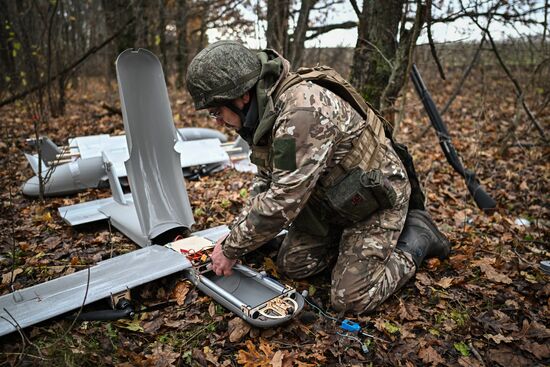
(246, 97)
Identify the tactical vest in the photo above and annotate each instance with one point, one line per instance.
(364, 153)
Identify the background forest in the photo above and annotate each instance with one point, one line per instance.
(488, 304)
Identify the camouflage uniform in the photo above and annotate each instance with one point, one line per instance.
(322, 128)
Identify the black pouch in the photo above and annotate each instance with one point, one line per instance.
(359, 194)
(312, 220)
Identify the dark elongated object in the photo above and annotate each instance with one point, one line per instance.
(482, 199)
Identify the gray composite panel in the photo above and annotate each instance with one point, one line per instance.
(55, 297)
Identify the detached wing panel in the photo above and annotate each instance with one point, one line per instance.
(154, 169)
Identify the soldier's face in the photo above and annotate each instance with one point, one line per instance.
(224, 116)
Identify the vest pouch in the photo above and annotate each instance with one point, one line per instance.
(312, 220)
(359, 194)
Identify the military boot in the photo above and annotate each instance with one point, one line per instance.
(421, 238)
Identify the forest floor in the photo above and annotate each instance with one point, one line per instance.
(487, 304)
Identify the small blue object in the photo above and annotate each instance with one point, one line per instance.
(350, 326)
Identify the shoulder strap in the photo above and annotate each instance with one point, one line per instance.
(329, 78)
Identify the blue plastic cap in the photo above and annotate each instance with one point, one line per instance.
(350, 326)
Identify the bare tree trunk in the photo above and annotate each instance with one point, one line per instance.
(51, 21)
(116, 12)
(162, 39)
(296, 48)
(6, 50)
(182, 43)
(277, 25)
(402, 62)
(376, 46)
(142, 29)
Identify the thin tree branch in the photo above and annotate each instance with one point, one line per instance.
(379, 51)
(430, 39)
(545, 23)
(519, 91)
(503, 16)
(356, 8)
(76, 63)
(464, 77)
(330, 27)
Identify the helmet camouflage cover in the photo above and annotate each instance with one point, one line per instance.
(222, 71)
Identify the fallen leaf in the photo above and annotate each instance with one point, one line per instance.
(508, 357)
(212, 309)
(430, 355)
(132, 325)
(462, 348)
(523, 186)
(408, 311)
(180, 291)
(533, 330)
(252, 357)
(529, 277)
(486, 266)
(432, 263)
(423, 279)
(468, 362)
(51, 243)
(162, 355)
(151, 327)
(237, 328)
(499, 338)
(270, 267)
(445, 282)
(538, 350)
(209, 355)
(7, 277)
(277, 360)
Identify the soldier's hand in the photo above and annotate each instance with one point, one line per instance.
(221, 265)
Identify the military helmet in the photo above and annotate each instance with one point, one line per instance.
(222, 71)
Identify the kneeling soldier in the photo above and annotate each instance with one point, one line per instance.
(326, 171)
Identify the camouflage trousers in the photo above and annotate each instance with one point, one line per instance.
(368, 267)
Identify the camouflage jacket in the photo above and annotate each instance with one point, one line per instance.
(321, 128)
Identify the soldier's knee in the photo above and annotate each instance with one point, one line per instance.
(287, 264)
(343, 301)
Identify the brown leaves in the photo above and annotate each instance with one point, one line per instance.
(263, 356)
(508, 357)
(445, 282)
(161, 356)
(540, 351)
(9, 276)
(485, 265)
(270, 267)
(492, 275)
(429, 355)
(499, 338)
(408, 311)
(180, 292)
(237, 329)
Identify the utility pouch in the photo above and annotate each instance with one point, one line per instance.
(359, 194)
(312, 220)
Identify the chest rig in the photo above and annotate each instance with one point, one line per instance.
(352, 189)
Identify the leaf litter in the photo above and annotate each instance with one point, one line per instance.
(488, 304)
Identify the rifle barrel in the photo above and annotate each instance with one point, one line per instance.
(482, 199)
